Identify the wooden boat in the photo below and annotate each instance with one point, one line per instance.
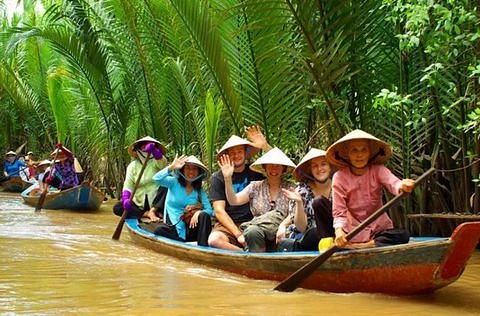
(421, 266)
(81, 197)
(15, 184)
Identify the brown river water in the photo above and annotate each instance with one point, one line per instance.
(58, 262)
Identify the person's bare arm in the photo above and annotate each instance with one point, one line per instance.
(300, 218)
(282, 228)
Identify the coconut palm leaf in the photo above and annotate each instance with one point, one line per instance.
(213, 113)
(197, 20)
(61, 109)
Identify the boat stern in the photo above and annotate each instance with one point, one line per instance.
(465, 238)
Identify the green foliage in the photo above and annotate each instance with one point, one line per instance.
(213, 114)
(100, 74)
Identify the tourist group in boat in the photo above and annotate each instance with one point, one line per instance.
(252, 206)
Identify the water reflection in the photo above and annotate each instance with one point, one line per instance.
(60, 262)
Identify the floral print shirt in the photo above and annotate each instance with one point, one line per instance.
(66, 170)
(307, 198)
(260, 200)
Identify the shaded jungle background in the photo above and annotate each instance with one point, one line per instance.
(96, 75)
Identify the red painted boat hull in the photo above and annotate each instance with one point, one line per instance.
(415, 268)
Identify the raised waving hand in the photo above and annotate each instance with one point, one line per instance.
(256, 137)
(226, 165)
(178, 162)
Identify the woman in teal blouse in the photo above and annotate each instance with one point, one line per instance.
(183, 178)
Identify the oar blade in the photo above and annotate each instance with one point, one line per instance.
(294, 280)
(118, 230)
(41, 200)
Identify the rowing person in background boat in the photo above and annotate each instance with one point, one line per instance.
(226, 233)
(13, 165)
(357, 190)
(183, 178)
(310, 211)
(31, 164)
(62, 175)
(149, 198)
(42, 168)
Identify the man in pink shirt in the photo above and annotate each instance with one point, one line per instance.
(357, 190)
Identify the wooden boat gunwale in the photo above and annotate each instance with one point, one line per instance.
(133, 225)
(421, 264)
(67, 199)
(15, 185)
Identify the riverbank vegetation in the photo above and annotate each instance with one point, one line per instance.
(96, 75)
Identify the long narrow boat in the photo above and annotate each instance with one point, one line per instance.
(81, 197)
(15, 184)
(421, 266)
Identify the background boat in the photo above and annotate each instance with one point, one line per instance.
(14, 184)
(82, 197)
(421, 266)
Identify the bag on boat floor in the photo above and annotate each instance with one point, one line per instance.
(268, 222)
(189, 212)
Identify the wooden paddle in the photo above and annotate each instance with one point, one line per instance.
(41, 199)
(118, 230)
(294, 280)
(19, 149)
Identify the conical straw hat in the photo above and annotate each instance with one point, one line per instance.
(273, 157)
(10, 153)
(301, 169)
(146, 139)
(59, 153)
(233, 141)
(77, 166)
(337, 154)
(192, 160)
(45, 162)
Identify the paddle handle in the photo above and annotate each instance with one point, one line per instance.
(294, 280)
(20, 148)
(118, 230)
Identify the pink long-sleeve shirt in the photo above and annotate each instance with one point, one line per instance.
(357, 197)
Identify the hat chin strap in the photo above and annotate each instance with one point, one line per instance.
(191, 180)
(141, 155)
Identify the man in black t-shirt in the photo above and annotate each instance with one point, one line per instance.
(225, 233)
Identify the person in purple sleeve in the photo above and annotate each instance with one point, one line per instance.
(62, 175)
(149, 198)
